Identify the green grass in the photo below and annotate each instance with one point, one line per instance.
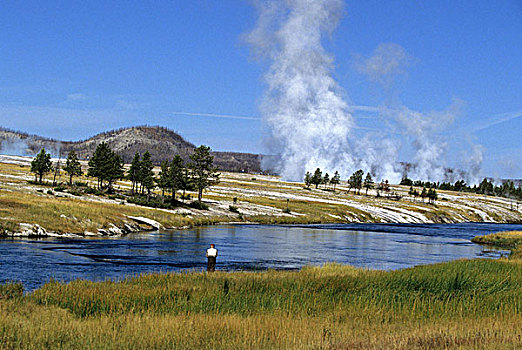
(474, 304)
(510, 240)
(461, 288)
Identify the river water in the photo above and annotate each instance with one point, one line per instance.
(242, 247)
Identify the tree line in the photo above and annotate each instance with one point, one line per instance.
(107, 167)
(355, 181)
(506, 189)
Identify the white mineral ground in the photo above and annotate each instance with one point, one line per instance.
(451, 206)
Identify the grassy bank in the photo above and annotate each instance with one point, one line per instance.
(473, 304)
(510, 240)
(72, 215)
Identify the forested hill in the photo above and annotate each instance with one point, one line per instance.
(161, 142)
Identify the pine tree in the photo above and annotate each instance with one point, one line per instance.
(72, 166)
(176, 176)
(185, 181)
(317, 178)
(163, 180)
(308, 179)
(134, 171)
(203, 171)
(423, 194)
(146, 175)
(336, 179)
(368, 182)
(105, 165)
(326, 180)
(357, 180)
(41, 164)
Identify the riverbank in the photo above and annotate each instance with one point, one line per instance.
(467, 304)
(38, 209)
(511, 240)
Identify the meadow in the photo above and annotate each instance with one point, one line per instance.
(467, 304)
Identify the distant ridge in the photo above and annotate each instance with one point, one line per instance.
(162, 143)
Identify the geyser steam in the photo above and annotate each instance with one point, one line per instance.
(307, 117)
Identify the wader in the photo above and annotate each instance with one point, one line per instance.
(211, 264)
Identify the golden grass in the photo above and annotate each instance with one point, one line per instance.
(80, 215)
(458, 305)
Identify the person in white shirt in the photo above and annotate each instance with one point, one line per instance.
(212, 254)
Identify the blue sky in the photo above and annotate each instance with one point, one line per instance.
(71, 69)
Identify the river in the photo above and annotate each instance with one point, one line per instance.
(242, 247)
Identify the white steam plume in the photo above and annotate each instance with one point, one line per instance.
(430, 148)
(307, 118)
(473, 164)
(388, 65)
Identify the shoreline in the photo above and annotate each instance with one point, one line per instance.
(36, 231)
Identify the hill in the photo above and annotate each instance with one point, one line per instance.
(161, 142)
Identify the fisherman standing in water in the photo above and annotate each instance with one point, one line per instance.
(212, 254)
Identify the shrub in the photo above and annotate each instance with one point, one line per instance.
(198, 205)
(186, 197)
(59, 188)
(50, 192)
(11, 290)
(90, 190)
(233, 209)
(75, 192)
(153, 202)
(116, 196)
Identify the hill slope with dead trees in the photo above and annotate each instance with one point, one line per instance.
(161, 143)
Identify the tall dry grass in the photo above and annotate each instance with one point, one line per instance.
(473, 304)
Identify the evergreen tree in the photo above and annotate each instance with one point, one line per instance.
(41, 164)
(203, 171)
(134, 171)
(146, 175)
(176, 176)
(308, 179)
(105, 165)
(326, 180)
(432, 195)
(336, 179)
(98, 164)
(406, 181)
(163, 180)
(317, 178)
(356, 180)
(424, 194)
(368, 182)
(72, 166)
(185, 181)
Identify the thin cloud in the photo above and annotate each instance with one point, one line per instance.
(498, 119)
(76, 97)
(214, 115)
